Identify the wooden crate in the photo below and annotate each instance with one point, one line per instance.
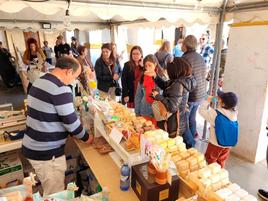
(186, 189)
(14, 121)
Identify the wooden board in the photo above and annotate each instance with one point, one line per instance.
(106, 172)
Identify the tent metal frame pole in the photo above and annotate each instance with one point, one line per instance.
(247, 6)
(146, 4)
(216, 58)
(219, 48)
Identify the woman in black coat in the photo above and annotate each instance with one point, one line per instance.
(131, 75)
(107, 72)
(174, 96)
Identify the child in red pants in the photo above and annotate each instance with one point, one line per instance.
(223, 122)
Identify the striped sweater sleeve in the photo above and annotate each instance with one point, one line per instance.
(65, 109)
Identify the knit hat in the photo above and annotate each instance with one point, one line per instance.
(229, 99)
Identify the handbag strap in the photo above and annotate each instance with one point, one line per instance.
(178, 122)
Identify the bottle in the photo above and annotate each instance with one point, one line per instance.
(105, 194)
(125, 177)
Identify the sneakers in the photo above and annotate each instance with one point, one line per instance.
(263, 194)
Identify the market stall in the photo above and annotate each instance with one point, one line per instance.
(162, 167)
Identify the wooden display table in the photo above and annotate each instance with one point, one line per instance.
(10, 145)
(106, 172)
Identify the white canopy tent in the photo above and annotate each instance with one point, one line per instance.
(87, 14)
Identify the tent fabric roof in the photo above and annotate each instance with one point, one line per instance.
(93, 13)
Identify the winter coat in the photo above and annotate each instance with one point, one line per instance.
(199, 72)
(210, 115)
(128, 81)
(175, 97)
(104, 76)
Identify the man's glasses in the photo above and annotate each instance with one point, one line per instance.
(202, 38)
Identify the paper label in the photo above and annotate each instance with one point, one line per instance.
(116, 135)
(138, 187)
(143, 144)
(163, 194)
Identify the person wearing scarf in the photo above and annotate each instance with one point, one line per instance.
(143, 99)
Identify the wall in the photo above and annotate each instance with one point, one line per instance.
(247, 75)
(3, 38)
(15, 37)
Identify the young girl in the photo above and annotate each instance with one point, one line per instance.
(175, 96)
(227, 103)
(143, 99)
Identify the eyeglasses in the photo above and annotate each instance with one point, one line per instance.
(202, 39)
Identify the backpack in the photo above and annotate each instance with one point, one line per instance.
(226, 130)
(163, 62)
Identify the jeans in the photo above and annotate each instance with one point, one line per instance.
(49, 60)
(193, 107)
(188, 138)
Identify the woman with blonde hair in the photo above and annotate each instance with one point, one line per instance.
(163, 55)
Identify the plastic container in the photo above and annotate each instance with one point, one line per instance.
(125, 177)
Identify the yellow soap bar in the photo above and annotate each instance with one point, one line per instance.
(224, 174)
(173, 148)
(202, 164)
(249, 198)
(241, 193)
(171, 142)
(163, 144)
(184, 173)
(178, 140)
(216, 186)
(233, 197)
(176, 158)
(204, 173)
(182, 146)
(234, 187)
(192, 161)
(185, 155)
(199, 157)
(192, 151)
(158, 138)
(182, 165)
(224, 193)
(175, 153)
(214, 167)
(225, 182)
(214, 178)
(194, 168)
(205, 182)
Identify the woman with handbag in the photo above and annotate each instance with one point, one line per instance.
(169, 107)
(143, 98)
(87, 69)
(107, 72)
(34, 58)
(131, 76)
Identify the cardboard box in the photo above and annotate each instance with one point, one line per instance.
(146, 189)
(10, 169)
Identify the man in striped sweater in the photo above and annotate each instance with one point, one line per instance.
(51, 118)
